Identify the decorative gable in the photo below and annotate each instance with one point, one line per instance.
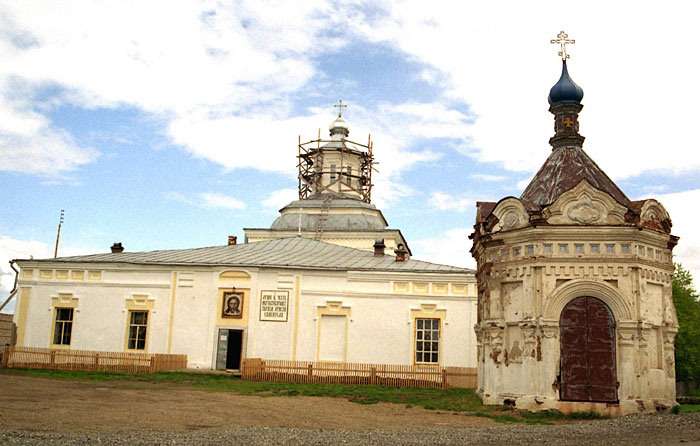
(585, 205)
(511, 215)
(654, 216)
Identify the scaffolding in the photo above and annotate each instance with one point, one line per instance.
(311, 170)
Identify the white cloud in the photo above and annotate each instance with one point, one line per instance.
(445, 202)
(449, 248)
(684, 218)
(489, 178)
(637, 103)
(208, 200)
(281, 197)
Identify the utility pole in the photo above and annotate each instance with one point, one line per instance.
(60, 222)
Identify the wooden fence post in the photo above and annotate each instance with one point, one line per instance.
(373, 375)
(97, 362)
(311, 371)
(52, 360)
(6, 356)
(444, 378)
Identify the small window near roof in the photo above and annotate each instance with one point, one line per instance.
(625, 249)
(579, 248)
(530, 249)
(563, 248)
(610, 248)
(548, 248)
(595, 249)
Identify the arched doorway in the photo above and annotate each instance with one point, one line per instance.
(588, 371)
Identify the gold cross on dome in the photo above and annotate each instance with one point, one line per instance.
(563, 40)
(568, 121)
(340, 108)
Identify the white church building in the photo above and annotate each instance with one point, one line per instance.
(328, 281)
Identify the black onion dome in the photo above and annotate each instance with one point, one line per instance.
(565, 90)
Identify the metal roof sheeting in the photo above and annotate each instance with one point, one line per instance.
(295, 252)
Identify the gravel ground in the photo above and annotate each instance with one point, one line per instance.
(637, 429)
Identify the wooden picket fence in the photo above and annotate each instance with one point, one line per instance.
(395, 375)
(44, 358)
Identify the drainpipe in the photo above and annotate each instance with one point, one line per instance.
(14, 289)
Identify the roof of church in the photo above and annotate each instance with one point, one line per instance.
(563, 170)
(294, 252)
(312, 209)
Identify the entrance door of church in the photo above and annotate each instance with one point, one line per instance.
(229, 349)
(588, 371)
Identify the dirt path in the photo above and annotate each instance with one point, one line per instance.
(39, 404)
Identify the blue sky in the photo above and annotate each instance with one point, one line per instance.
(174, 124)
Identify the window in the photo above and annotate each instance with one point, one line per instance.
(348, 179)
(63, 326)
(138, 326)
(530, 249)
(579, 248)
(427, 341)
(625, 249)
(595, 249)
(332, 172)
(548, 248)
(650, 253)
(640, 249)
(564, 248)
(658, 254)
(516, 251)
(610, 248)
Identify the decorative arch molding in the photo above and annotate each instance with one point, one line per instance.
(511, 214)
(585, 205)
(599, 289)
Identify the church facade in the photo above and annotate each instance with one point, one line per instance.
(327, 282)
(575, 309)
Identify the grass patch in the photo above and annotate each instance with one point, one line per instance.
(689, 408)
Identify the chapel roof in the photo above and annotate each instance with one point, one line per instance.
(563, 170)
(293, 252)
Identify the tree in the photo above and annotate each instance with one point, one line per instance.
(688, 340)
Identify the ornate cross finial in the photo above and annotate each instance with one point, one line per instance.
(340, 108)
(563, 40)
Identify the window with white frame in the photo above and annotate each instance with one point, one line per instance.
(138, 329)
(63, 326)
(427, 341)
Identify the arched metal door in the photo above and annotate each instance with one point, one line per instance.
(588, 371)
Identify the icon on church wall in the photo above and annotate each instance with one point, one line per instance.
(233, 304)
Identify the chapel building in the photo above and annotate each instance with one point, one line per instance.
(574, 304)
(327, 282)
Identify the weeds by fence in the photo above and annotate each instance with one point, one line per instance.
(423, 376)
(44, 358)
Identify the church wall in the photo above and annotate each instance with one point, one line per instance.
(184, 306)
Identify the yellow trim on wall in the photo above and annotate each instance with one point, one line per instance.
(296, 318)
(22, 311)
(27, 273)
(427, 311)
(139, 302)
(401, 287)
(440, 288)
(61, 274)
(77, 275)
(64, 300)
(45, 274)
(332, 308)
(94, 275)
(234, 276)
(420, 288)
(460, 289)
(172, 311)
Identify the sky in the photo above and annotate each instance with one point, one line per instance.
(166, 125)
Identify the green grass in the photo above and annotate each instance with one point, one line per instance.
(689, 408)
(453, 400)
